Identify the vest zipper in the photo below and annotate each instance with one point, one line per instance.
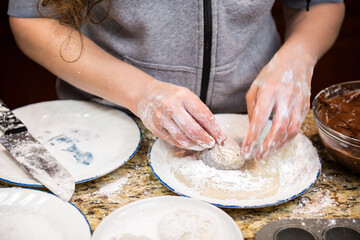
(207, 50)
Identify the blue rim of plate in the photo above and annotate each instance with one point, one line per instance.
(30, 189)
(97, 176)
(230, 206)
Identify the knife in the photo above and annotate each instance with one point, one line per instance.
(36, 159)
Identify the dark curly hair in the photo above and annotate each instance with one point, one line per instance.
(71, 13)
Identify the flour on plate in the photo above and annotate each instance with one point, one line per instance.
(277, 177)
(22, 224)
(187, 224)
(254, 180)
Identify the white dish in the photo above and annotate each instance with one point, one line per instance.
(89, 139)
(33, 214)
(297, 172)
(141, 219)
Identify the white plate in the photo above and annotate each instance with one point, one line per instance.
(142, 218)
(89, 139)
(297, 172)
(33, 214)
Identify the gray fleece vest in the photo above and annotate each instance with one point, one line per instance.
(215, 48)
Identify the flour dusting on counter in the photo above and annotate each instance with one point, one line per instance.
(309, 208)
(110, 190)
(113, 187)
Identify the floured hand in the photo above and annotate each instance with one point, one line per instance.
(177, 115)
(282, 87)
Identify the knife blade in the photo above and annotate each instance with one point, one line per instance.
(35, 158)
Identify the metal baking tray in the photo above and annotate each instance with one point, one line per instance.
(311, 229)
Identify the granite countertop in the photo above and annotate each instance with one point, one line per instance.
(336, 194)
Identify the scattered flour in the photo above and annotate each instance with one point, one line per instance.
(113, 187)
(308, 208)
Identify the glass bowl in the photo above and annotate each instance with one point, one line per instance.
(344, 149)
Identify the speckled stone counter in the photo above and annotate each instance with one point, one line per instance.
(336, 194)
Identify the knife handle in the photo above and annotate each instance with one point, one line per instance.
(9, 123)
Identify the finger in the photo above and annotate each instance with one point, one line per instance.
(193, 130)
(264, 105)
(292, 129)
(164, 135)
(157, 128)
(278, 132)
(205, 118)
(251, 98)
(179, 136)
(296, 118)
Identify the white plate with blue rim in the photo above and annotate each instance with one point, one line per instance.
(34, 214)
(278, 178)
(89, 139)
(168, 217)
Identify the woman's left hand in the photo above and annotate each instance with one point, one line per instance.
(282, 87)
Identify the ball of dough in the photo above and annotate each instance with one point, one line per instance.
(185, 224)
(226, 157)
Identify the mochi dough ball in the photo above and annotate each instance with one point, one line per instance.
(226, 157)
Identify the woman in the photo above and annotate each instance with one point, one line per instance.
(164, 60)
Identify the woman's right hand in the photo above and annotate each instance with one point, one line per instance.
(172, 113)
(177, 115)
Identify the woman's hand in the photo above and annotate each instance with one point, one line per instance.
(172, 113)
(177, 115)
(282, 87)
